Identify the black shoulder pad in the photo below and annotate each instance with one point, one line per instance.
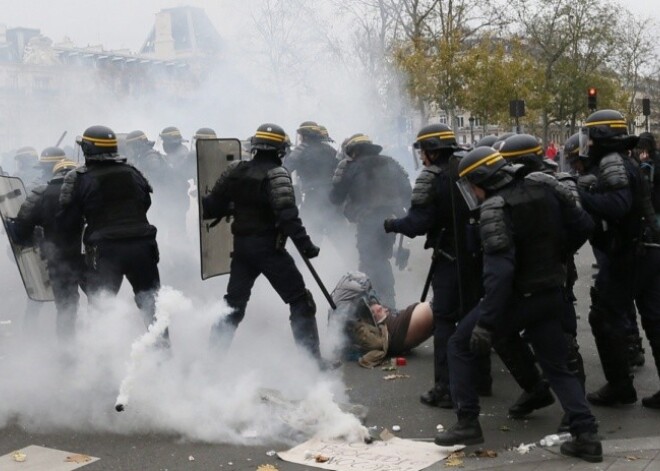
(422, 194)
(340, 170)
(613, 175)
(494, 233)
(563, 192)
(281, 189)
(66, 193)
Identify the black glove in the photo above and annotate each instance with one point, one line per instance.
(388, 224)
(310, 250)
(480, 340)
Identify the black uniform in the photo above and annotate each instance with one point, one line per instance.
(527, 227)
(314, 162)
(61, 251)
(373, 187)
(265, 214)
(430, 214)
(112, 197)
(629, 270)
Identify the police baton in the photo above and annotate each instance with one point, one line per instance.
(318, 280)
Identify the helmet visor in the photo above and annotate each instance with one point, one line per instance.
(467, 190)
(584, 142)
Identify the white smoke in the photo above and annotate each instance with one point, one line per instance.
(194, 393)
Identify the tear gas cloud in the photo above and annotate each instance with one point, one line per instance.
(303, 70)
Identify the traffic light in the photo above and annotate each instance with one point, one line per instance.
(646, 106)
(592, 98)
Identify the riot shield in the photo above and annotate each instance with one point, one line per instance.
(31, 265)
(468, 246)
(215, 239)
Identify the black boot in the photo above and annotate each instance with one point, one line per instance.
(586, 446)
(467, 431)
(610, 395)
(635, 351)
(528, 402)
(437, 397)
(652, 402)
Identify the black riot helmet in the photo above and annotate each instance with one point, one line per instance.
(500, 140)
(605, 131)
(435, 137)
(325, 135)
(309, 128)
(487, 141)
(269, 137)
(483, 167)
(63, 167)
(98, 141)
(360, 144)
(171, 134)
(138, 138)
(523, 149)
(205, 133)
(26, 154)
(51, 155)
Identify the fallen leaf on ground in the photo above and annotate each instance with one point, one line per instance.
(19, 456)
(267, 467)
(453, 462)
(321, 458)
(485, 454)
(632, 458)
(505, 428)
(78, 459)
(395, 376)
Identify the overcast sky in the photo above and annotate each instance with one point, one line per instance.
(126, 23)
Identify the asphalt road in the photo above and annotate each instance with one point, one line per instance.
(390, 402)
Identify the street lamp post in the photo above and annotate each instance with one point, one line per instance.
(471, 120)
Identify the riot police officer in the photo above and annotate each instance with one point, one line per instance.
(614, 192)
(141, 153)
(313, 162)
(371, 187)
(258, 194)
(431, 214)
(526, 151)
(176, 153)
(47, 160)
(527, 226)
(112, 198)
(26, 159)
(60, 250)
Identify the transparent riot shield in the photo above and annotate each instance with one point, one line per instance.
(216, 241)
(31, 266)
(468, 245)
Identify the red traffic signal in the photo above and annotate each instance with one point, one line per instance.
(592, 98)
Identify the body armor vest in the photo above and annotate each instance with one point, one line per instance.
(118, 210)
(253, 214)
(537, 236)
(315, 166)
(375, 188)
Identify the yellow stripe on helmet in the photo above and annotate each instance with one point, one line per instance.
(137, 138)
(533, 150)
(64, 164)
(101, 142)
(488, 160)
(616, 123)
(270, 136)
(441, 135)
(360, 138)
